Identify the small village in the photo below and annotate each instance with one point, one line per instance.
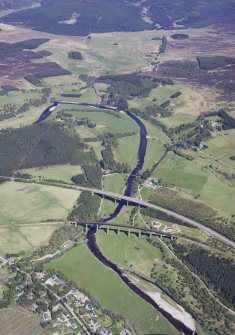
(60, 306)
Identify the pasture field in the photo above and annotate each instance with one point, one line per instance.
(218, 152)
(80, 265)
(58, 172)
(109, 123)
(176, 119)
(106, 208)
(219, 195)
(127, 150)
(147, 192)
(113, 53)
(2, 288)
(194, 178)
(232, 113)
(155, 132)
(27, 239)
(221, 147)
(18, 321)
(22, 203)
(115, 182)
(105, 122)
(138, 256)
(153, 153)
(181, 172)
(71, 85)
(19, 97)
(23, 119)
(185, 108)
(132, 252)
(156, 97)
(123, 216)
(121, 52)
(97, 146)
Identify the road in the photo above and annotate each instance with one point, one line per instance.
(116, 226)
(139, 202)
(71, 311)
(136, 201)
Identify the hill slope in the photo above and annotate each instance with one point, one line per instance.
(80, 17)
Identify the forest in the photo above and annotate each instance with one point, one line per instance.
(6, 49)
(76, 55)
(217, 271)
(52, 18)
(86, 208)
(228, 122)
(37, 145)
(214, 62)
(128, 85)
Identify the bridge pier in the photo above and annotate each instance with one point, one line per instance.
(76, 224)
(118, 231)
(107, 231)
(127, 203)
(160, 236)
(86, 229)
(97, 229)
(139, 234)
(129, 232)
(150, 234)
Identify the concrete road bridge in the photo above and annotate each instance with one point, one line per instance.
(118, 228)
(141, 203)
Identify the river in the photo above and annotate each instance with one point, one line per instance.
(91, 235)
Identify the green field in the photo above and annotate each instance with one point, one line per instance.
(194, 179)
(127, 150)
(115, 182)
(88, 273)
(153, 153)
(181, 172)
(24, 119)
(160, 94)
(21, 202)
(132, 252)
(155, 133)
(97, 146)
(219, 195)
(14, 240)
(176, 120)
(107, 207)
(105, 122)
(100, 55)
(59, 172)
(18, 98)
(221, 147)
